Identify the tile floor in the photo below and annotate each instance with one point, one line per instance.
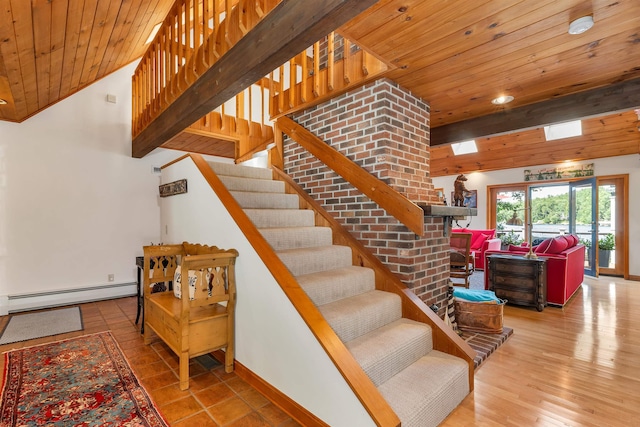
(214, 398)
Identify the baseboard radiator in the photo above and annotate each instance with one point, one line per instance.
(38, 300)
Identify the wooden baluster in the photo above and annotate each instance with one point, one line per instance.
(346, 54)
(227, 27)
(305, 74)
(188, 36)
(293, 73)
(243, 17)
(273, 108)
(259, 8)
(365, 62)
(180, 46)
(316, 69)
(281, 92)
(250, 102)
(330, 61)
(197, 38)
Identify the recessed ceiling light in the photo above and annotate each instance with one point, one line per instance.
(504, 99)
(581, 25)
(3, 101)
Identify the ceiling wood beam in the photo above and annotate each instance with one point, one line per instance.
(285, 32)
(606, 100)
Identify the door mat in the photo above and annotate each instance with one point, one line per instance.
(28, 326)
(82, 381)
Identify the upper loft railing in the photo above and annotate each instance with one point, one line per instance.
(330, 67)
(193, 36)
(196, 35)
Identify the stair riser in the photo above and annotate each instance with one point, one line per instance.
(270, 218)
(255, 185)
(307, 261)
(294, 238)
(265, 201)
(240, 171)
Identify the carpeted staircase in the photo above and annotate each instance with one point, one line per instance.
(422, 385)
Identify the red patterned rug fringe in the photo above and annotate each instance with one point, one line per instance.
(83, 381)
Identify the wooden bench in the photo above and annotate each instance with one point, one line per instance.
(191, 327)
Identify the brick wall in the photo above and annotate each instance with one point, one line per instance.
(384, 129)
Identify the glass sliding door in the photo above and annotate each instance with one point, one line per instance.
(582, 219)
(549, 211)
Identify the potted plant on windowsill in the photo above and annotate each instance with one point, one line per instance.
(509, 238)
(606, 244)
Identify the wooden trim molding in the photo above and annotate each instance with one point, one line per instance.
(281, 400)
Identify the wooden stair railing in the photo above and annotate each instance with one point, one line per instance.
(193, 36)
(403, 209)
(330, 67)
(360, 383)
(199, 60)
(444, 338)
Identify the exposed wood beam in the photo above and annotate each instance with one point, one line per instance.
(286, 31)
(606, 100)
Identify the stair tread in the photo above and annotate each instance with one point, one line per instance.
(241, 183)
(386, 351)
(424, 393)
(231, 169)
(360, 314)
(324, 287)
(253, 199)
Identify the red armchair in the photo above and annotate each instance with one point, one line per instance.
(481, 241)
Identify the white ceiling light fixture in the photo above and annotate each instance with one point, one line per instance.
(464, 147)
(3, 101)
(581, 25)
(502, 99)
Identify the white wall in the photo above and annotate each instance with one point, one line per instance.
(607, 166)
(272, 340)
(74, 205)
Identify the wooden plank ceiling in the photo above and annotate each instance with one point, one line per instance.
(456, 54)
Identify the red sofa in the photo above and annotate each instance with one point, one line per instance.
(565, 266)
(481, 241)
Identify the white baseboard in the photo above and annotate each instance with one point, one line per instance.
(38, 300)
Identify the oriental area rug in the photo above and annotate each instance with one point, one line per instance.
(83, 381)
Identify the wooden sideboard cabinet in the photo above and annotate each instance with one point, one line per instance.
(519, 280)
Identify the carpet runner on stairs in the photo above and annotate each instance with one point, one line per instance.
(422, 385)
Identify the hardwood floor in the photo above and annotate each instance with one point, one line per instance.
(577, 366)
(572, 366)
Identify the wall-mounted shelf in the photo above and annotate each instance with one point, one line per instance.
(448, 213)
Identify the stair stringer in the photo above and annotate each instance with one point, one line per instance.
(309, 363)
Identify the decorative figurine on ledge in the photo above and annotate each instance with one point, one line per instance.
(459, 190)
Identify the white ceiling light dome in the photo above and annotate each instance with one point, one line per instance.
(581, 25)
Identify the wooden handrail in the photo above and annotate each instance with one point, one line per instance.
(444, 338)
(403, 209)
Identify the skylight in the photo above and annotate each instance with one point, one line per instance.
(563, 130)
(464, 147)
